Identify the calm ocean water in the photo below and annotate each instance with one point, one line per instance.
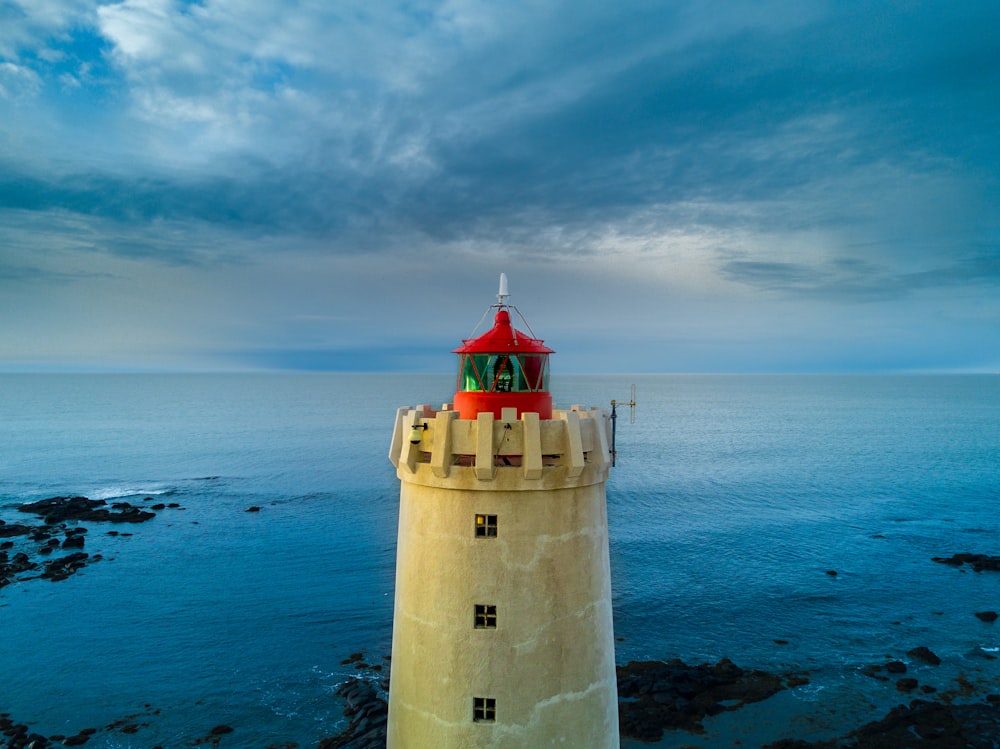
(733, 497)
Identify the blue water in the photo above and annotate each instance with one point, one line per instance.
(733, 497)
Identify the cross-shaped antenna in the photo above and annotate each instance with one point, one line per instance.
(614, 421)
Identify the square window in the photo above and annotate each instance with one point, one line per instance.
(485, 616)
(486, 526)
(484, 710)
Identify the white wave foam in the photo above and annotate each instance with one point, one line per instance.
(121, 492)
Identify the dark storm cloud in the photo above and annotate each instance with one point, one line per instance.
(761, 111)
(737, 118)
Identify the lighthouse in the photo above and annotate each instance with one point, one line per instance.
(502, 630)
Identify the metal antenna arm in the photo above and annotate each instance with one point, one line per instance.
(614, 422)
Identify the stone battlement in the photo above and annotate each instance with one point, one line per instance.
(437, 448)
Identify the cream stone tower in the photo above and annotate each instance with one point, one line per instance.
(502, 633)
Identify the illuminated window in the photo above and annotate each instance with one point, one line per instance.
(486, 616)
(503, 373)
(486, 526)
(484, 710)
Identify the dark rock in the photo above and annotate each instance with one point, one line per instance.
(986, 616)
(919, 725)
(832, 573)
(924, 654)
(73, 542)
(14, 529)
(368, 714)
(62, 509)
(906, 685)
(978, 562)
(253, 508)
(954, 561)
(63, 567)
(19, 563)
(873, 672)
(923, 725)
(158, 506)
(895, 667)
(78, 740)
(59, 509)
(656, 696)
(221, 730)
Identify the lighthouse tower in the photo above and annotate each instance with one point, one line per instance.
(502, 632)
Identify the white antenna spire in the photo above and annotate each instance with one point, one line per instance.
(503, 293)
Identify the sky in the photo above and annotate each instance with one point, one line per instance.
(682, 186)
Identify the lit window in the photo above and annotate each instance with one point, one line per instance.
(486, 616)
(484, 710)
(486, 526)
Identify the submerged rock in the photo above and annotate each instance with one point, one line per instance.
(63, 567)
(978, 562)
(368, 713)
(931, 724)
(655, 696)
(9, 530)
(924, 654)
(919, 725)
(61, 509)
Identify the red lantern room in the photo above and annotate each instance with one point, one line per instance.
(503, 368)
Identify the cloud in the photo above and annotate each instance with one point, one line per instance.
(29, 25)
(714, 155)
(18, 82)
(21, 274)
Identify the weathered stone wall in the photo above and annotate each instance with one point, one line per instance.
(549, 661)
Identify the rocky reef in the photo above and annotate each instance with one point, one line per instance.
(655, 696)
(978, 562)
(368, 713)
(919, 725)
(27, 551)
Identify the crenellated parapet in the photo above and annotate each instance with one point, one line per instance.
(438, 448)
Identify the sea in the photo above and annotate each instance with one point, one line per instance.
(734, 501)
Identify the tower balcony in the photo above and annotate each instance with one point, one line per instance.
(438, 448)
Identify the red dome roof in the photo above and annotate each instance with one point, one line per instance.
(502, 338)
